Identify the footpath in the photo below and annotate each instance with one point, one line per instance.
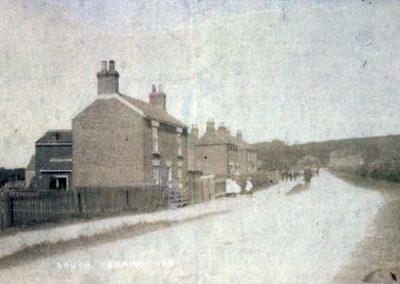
(54, 234)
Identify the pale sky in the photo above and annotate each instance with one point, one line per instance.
(297, 71)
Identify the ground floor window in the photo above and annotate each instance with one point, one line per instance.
(59, 182)
(156, 175)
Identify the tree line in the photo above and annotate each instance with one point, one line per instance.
(380, 155)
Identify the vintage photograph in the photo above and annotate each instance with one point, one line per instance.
(199, 141)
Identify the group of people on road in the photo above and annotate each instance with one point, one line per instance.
(232, 188)
(290, 175)
(293, 175)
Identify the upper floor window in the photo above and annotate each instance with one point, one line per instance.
(179, 141)
(155, 143)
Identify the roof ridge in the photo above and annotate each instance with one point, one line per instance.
(210, 135)
(59, 130)
(61, 160)
(152, 111)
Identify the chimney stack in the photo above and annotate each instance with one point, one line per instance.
(239, 135)
(195, 133)
(210, 125)
(107, 80)
(158, 99)
(222, 129)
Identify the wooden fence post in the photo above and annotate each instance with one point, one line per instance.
(80, 205)
(8, 210)
(127, 198)
(6, 220)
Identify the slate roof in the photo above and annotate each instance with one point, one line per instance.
(154, 112)
(31, 165)
(58, 165)
(56, 137)
(212, 137)
(215, 138)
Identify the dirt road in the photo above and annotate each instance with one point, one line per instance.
(279, 236)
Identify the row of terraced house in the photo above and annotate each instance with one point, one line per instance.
(119, 140)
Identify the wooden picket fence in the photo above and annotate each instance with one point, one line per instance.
(106, 200)
(35, 206)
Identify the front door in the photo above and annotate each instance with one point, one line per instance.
(164, 175)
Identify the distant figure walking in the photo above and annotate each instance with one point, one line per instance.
(249, 187)
(307, 176)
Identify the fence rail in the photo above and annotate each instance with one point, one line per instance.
(35, 206)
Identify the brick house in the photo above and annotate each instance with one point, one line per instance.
(247, 155)
(120, 140)
(216, 152)
(53, 160)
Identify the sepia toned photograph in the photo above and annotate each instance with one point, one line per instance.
(199, 141)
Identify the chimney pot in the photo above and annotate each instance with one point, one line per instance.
(103, 65)
(160, 88)
(153, 88)
(112, 65)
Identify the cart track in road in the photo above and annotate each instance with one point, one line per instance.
(44, 250)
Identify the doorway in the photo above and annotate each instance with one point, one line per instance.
(59, 182)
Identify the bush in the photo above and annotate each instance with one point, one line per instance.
(387, 169)
(362, 171)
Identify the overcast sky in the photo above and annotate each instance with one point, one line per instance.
(297, 71)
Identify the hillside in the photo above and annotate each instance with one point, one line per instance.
(374, 150)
